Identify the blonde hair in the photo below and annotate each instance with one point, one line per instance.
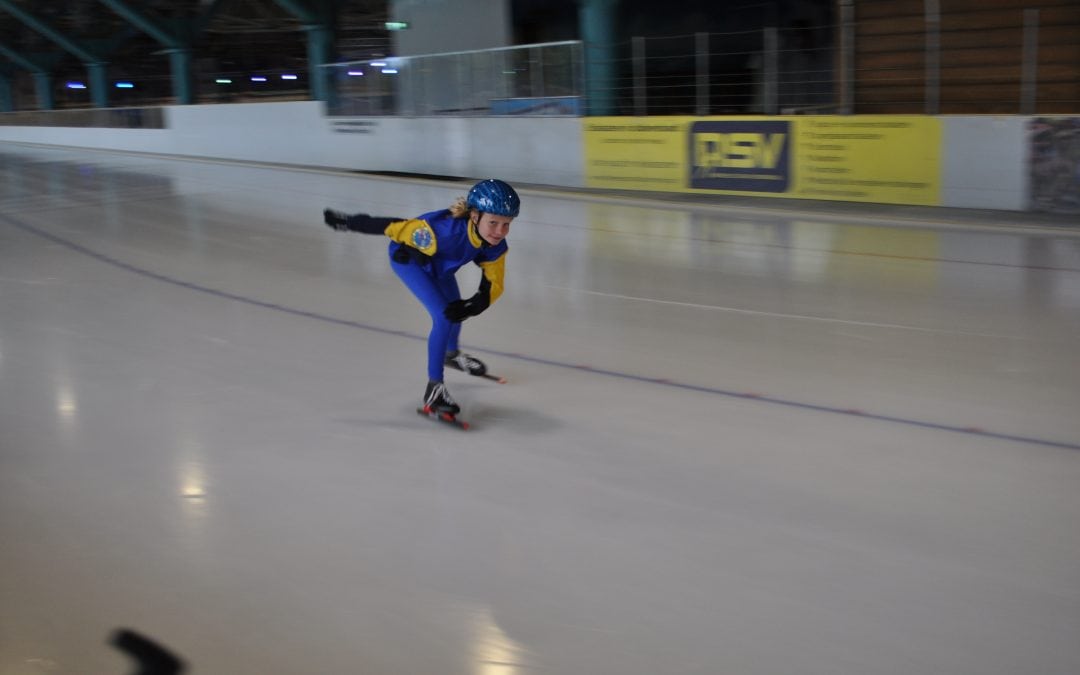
(458, 208)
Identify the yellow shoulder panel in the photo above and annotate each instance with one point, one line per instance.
(415, 233)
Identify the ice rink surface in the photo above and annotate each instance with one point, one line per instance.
(735, 440)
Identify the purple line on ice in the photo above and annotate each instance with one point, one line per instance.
(850, 412)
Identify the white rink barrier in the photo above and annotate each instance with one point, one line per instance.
(986, 160)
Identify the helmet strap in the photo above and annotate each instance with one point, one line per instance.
(475, 225)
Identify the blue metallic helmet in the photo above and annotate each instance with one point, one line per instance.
(494, 196)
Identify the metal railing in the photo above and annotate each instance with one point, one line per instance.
(1012, 61)
(1004, 61)
(538, 79)
(745, 72)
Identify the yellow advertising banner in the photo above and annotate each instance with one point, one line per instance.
(886, 159)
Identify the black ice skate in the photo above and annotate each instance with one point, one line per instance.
(439, 406)
(459, 360)
(437, 399)
(469, 364)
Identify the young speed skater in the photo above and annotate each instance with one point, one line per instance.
(426, 252)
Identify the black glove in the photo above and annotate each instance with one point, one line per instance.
(459, 310)
(335, 219)
(404, 254)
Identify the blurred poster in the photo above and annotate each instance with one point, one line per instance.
(884, 159)
(635, 153)
(1055, 164)
(870, 158)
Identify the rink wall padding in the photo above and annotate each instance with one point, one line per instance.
(982, 162)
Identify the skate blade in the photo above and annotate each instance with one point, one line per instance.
(445, 418)
(487, 376)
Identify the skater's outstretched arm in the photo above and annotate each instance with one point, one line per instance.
(357, 222)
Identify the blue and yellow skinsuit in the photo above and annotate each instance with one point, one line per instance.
(426, 252)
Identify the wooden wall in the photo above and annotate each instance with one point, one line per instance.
(981, 56)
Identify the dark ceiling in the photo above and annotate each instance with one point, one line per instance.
(240, 34)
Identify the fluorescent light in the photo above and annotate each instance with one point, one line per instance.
(378, 64)
(76, 85)
(389, 71)
(223, 80)
(355, 73)
(125, 85)
(258, 78)
(288, 77)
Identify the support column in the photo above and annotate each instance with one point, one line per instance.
(180, 69)
(770, 60)
(319, 23)
(319, 39)
(846, 58)
(932, 97)
(43, 89)
(176, 36)
(702, 73)
(641, 93)
(1030, 63)
(97, 74)
(93, 61)
(40, 68)
(7, 101)
(597, 22)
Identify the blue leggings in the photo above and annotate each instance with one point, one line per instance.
(434, 293)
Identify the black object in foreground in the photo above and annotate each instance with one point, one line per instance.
(150, 657)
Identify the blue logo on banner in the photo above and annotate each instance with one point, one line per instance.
(746, 156)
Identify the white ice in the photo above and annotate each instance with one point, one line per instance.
(208, 435)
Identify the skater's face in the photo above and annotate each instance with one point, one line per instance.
(492, 228)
